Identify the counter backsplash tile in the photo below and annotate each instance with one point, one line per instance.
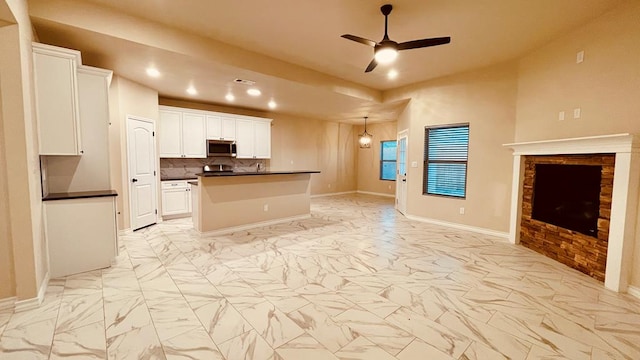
(188, 168)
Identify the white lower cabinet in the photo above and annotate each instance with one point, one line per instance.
(176, 197)
(81, 234)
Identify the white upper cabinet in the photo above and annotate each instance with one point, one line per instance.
(262, 139)
(57, 107)
(181, 134)
(244, 139)
(221, 127)
(194, 144)
(170, 134)
(253, 138)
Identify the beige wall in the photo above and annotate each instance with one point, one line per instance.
(126, 98)
(606, 86)
(369, 159)
(304, 144)
(486, 100)
(7, 274)
(23, 222)
(241, 200)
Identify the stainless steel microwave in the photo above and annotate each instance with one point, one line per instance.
(221, 148)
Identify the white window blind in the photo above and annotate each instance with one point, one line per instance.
(446, 152)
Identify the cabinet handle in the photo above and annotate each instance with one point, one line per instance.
(134, 180)
(81, 151)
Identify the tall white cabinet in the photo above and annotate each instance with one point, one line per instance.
(57, 107)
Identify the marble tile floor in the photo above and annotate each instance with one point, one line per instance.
(355, 281)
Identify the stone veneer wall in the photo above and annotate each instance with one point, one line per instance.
(582, 252)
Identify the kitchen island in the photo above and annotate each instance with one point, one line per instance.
(232, 201)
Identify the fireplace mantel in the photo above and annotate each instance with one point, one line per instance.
(626, 179)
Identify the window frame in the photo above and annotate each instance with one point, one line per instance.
(425, 174)
(382, 161)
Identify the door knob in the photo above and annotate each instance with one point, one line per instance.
(134, 180)
(404, 180)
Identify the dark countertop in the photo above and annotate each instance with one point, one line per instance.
(174, 178)
(79, 195)
(192, 182)
(251, 173)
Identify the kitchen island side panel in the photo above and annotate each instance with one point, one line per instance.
(228, 202)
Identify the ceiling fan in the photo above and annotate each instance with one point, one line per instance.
(387, 50)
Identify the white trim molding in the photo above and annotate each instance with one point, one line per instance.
(633, 291)
(624, 201)
(7, 303)
(376, 194)
(34, 303)
(333, 194)
(479, 230)
(253, 225)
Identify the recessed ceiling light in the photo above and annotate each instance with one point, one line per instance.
(272, 104)
(192, 91)
(392, 74)
(254, 92)
(153, 72)
(230, 97)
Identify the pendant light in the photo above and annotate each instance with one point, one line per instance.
(365, 137)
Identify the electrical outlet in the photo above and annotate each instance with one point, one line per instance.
(461, 211)
(265, 207)
(576, 113)
(561, 115)
(414, 164)
(580, 57)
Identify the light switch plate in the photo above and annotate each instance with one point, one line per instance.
(414, 164)
(576, 113)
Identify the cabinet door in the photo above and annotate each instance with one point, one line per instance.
(244, 138)
(175, 201)
(262, 139)
(56, 103)
(214, 127)
(228, 128)
(193, 136)
(81, 233)
(170, 134)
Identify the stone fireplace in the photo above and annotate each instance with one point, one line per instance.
(606, 255)
(583, 252)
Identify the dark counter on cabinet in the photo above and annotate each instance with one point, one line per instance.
(176, 178)
(79, 195)
(247, 173)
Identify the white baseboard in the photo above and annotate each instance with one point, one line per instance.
(125, 232)
(254, 225)
(376, 194)
(633, 291)
(500, 234)
(33, 303)
(333, 194)
(8, 303)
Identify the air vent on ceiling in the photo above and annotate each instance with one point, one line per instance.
(244, 82)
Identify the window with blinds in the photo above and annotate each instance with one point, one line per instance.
(446, 150)
(388, 160)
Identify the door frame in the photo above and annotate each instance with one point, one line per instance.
(128, 166)
(402, 134)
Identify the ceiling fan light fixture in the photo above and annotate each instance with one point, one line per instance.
(386, 55)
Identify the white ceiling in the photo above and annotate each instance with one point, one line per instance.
(293, 49)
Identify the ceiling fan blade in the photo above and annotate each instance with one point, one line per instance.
(359, 40)
(415, 44)
(372, 65)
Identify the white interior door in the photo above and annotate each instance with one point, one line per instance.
(142, 172)
(401, 173)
